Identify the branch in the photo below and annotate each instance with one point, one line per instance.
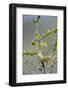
(29, 53)
(48, 33)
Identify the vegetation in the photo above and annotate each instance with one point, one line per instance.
(48, 57)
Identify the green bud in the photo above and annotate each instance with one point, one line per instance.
(33, 42)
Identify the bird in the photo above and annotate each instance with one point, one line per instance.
(36, 20)
(36, 24)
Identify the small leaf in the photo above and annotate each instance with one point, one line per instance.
(55, 46)
(37, 36)
(47, 59)
(43, 44)
(48, 33)
(37, 46)
(29, 53)
(33, 42)
(55, 30)
(40, 55)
